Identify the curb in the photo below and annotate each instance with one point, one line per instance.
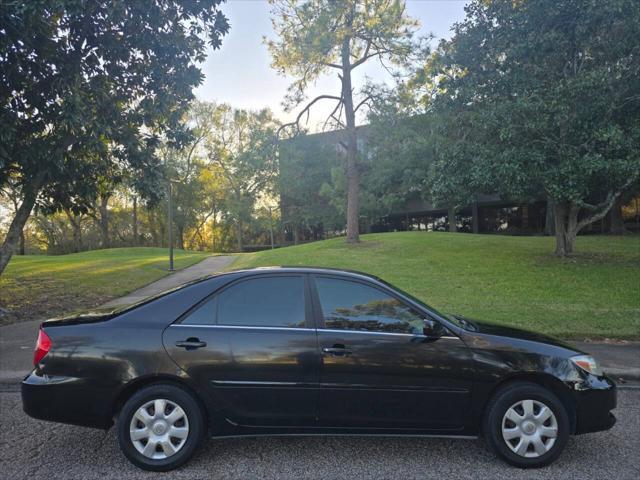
(623, 374)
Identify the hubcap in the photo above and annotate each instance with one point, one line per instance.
(529, 428)
(159, 429)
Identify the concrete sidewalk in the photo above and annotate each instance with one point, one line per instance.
(17, 340)
(621, 360)
(206, 267)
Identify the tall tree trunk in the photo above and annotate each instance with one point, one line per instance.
(18, 222)
(135, 221)
(164, 230)
(549, 227)
(77, 238)
(153, 228)
(239, 206)
(180, 229)
(224, 237)
(566, 218)
(451, 213)
(213, 231)
(353, 173)
(103, 220)
(75, 220)
(617, 222)
(239, 234)
(567, 225)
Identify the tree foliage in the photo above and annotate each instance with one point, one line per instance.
(305, 172)
(242, 147)
(541, 97)
(85, 88)
(316, 37)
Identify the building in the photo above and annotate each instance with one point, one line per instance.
(308, 164)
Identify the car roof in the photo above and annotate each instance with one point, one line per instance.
(307, 269)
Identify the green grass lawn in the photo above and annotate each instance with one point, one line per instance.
(509, 280)
(40, 286)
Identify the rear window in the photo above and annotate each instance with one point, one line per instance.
(277, 301)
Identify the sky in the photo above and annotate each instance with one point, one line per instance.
(240, 74)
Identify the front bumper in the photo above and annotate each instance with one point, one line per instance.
(595, 398)
(63, 399)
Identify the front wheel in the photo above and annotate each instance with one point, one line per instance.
(526, 425)
(160, 427)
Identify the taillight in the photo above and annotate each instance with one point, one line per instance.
(43, 345)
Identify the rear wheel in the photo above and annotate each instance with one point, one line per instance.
(160, 427)
(526, 425)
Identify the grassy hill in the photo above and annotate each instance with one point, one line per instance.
(508, 280)
(40, 286)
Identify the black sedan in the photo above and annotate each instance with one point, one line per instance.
(310, 351)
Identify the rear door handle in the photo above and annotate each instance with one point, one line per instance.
(337, 350)
(191, 343)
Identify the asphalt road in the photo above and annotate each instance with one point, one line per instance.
(32, 449)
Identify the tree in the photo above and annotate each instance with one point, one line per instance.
(213, 203)
(242, 148)
(183, 166)
(86, 86)
(318, 36)
(402, 145)
(552, 91)
(75, 220)
(11, 191)
(305, 164)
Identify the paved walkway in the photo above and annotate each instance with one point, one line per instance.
(17, 340)
(206, 267)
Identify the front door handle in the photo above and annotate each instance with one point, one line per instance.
(191, 343)
(337, 350)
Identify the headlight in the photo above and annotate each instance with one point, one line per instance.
(587, 363)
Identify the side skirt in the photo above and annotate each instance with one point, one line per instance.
(324, 434)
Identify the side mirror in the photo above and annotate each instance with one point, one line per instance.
(432, 329)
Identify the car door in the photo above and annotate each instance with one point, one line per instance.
(378, 368)
(253, 346)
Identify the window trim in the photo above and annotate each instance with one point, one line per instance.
(243, 327)
(308, 320)
(319, 314)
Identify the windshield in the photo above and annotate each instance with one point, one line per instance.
(457, 320)
(413, 298)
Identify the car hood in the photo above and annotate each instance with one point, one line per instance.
(488, 328)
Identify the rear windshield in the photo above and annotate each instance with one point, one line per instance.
(130, 306)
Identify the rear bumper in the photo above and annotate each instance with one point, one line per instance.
(62, 399)
(594, 402)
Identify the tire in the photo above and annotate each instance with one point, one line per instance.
(527, 441)
(140, 426)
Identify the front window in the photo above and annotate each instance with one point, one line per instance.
(348, 305)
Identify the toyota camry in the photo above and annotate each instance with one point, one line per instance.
(289, 351)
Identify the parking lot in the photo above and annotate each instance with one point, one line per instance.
(33, 449)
